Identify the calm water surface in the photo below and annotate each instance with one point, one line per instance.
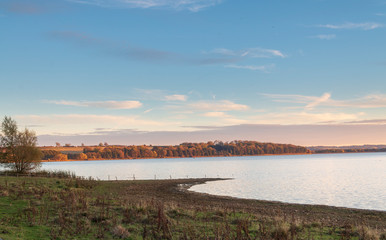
(349, 180)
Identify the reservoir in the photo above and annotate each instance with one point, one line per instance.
(355, 180)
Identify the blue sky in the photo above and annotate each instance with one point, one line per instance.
(90, 70)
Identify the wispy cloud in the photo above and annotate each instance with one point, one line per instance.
(217, 106)
(150, 94)
(319, 100)
(100, 104)
(77, 123)
(191, 5)
(249, 53)
(22, 7)
(349, 25)
(306, 135)
(124, 50)
(324, 36)
(371, 121)
(159, 95)
(233, 57)
(128, 51)
(304, 117)
(212, 60)
(215, 114)
(292, 98)
(32, 7)
(176, 97)
(369, 101)
(224, 119)
(263, 68)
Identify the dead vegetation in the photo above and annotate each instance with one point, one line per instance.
(73, 208)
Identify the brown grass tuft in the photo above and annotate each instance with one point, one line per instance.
(120, 232)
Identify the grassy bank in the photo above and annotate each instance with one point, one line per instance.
(71, 208)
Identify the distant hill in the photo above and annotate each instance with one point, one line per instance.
(343, 149)
(347, 147)
(209, 149)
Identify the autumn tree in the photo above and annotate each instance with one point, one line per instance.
(82, 156)
(60, 157)
(20, 153)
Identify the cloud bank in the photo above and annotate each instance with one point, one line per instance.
(306, 135)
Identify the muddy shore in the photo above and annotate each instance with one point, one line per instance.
(176, 192)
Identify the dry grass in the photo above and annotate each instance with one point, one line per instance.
(73, 208)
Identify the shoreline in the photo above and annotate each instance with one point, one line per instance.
(76, 160)
(286, 154)
(165, 209)
(177, 191)
(186, 187)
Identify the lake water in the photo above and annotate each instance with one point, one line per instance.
(355, 180)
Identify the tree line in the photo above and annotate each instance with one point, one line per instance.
(350, 150)
(209, 149)
(19, 151)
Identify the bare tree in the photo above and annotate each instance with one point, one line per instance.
(20, 151)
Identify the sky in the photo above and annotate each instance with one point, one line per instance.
(308, 72)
